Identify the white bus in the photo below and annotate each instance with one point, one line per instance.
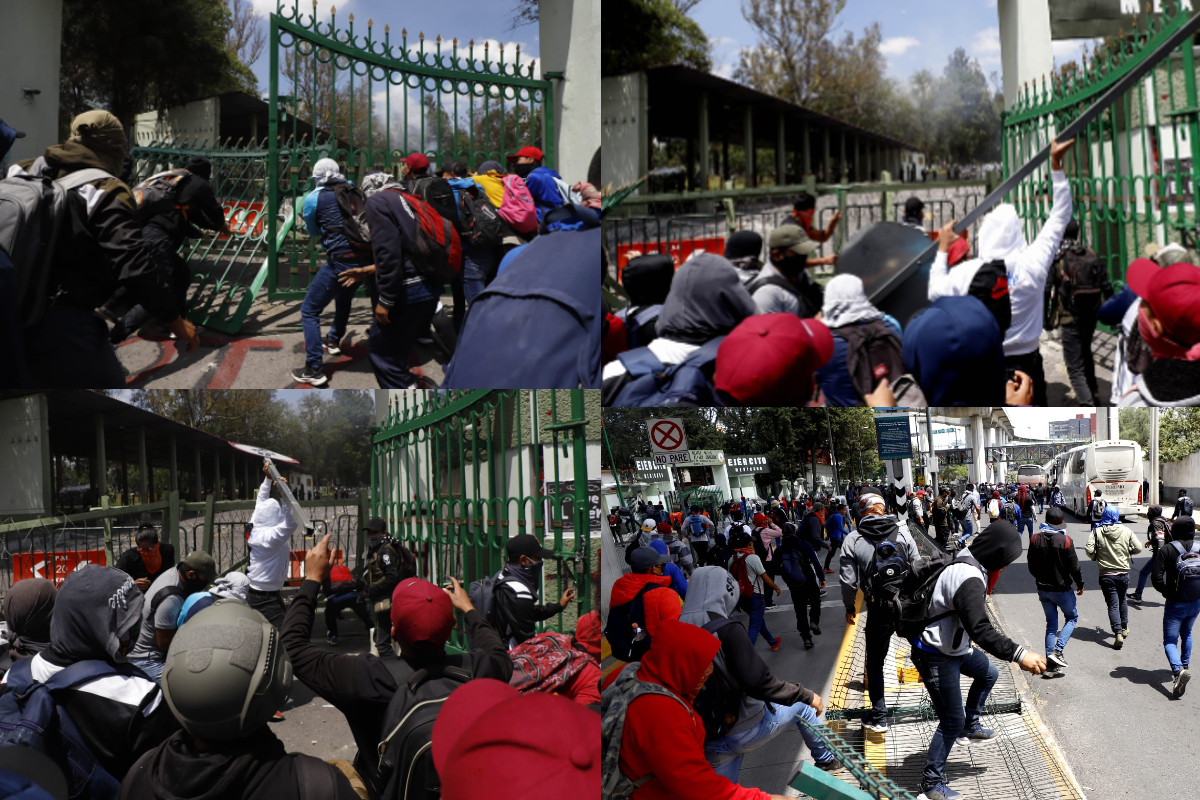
(1031, 475)
(1113, 466)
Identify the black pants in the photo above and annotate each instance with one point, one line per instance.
(879, 639)
(1031, 365)
(269, 604)
(1081, 364)
(1114, 585)
(383, 634)
(69, 349)
(806, 602)
(834, 546)
(700, 551)
(334, 608)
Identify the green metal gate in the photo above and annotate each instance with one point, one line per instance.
(456, 475)
(1132, 171)
(369, 102)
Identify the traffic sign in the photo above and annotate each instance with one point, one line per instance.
(668, 441)
(893, 437)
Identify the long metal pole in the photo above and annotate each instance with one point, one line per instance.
(1154, 466)
(297, 512)
(832, 459)
(1114, 93)
(929, 464)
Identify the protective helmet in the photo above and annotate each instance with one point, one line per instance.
(226, 673)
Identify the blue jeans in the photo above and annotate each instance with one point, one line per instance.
(1051, 603)
(476, 266)
(323, 289)
(968, 527)
(1178, 618)
(1023, 523)
(943, 677)
(758, 607)
(1144, 576)
(152, 667)
(726, 754)
(1041, 506)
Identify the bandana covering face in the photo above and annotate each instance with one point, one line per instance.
(101, 132)
(151, 558)
(1161, 346)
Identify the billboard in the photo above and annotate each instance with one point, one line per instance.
(893, 437)
(747, 465)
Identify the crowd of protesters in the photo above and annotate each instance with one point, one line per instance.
(752, 327)
(165, 685)
(513, 241)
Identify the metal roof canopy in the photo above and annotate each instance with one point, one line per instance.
(73, 430)
(674, 103)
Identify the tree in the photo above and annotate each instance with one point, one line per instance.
(1178, 433)
(249, 416)
(525, 12)
(1134, 424)
(652, 33)
(131, 55)
(245, 41)
(971, 118)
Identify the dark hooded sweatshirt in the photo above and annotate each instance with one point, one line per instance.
(962, 587)
(255, 768)
(647, 281)
(858, 552)
(1053, 562)
(1166, 560)
(101, 247)
(707, 300)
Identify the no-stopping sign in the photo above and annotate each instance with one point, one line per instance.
(667, 438)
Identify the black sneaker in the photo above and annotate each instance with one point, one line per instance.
(1181, 681)
(1056, 658)
(311, 377)
(1136, 599)
(808, 643)
(828, 766)
(816, 630)
(331, 347)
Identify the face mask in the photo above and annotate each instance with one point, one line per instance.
(530, 572)
(524, 169)
(792, 266)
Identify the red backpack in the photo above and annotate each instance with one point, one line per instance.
(436, 251)
(339, 573)
(737, 568)
(546, 663)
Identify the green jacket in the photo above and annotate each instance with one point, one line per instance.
(1110, 546)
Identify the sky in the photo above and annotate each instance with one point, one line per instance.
(1035, 422)
(465, 19)
(290, 396)
(917, 34)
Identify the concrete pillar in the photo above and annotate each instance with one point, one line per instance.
(1152, 474)
(217, 474)
(780, 154)
(828, 163)
(704, 142)
(1102, 426)
(199, 485)
(858, 170)
(978, 455)
(721, 480)
(806, 164)
(569, 31)
(899, 473)
(101, 464)
(845, 174)
(174, 468)
(1026, 53)
(1114, 427)
(143, 481)
(748, 140)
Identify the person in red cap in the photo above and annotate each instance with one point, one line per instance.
(662, 738)
(525, 161)
(415, 166)
(369, 691)
(770, 359)
(1169, 324)
(489, 741)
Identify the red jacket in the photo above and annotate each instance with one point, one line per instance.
(660, 605)
(664, 738)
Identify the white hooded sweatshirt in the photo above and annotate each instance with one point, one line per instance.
(1000, 237)
(270, 541)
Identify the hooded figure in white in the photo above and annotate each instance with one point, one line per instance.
(270, 541)
(1027, 265)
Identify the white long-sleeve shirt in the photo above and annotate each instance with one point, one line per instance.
(1000, 237)
(270, 541)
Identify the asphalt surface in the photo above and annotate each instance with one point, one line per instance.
(1111, 711)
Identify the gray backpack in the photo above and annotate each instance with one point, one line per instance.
(32, 208)
(614, 703)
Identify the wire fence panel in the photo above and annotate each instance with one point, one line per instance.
(455, 477)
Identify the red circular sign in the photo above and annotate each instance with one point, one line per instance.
(666, 435)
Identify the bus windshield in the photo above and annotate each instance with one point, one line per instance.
(1029, 471)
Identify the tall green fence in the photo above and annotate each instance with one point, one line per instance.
(1132, 170)
(457, 475)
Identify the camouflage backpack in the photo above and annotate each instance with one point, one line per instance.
(614, 703)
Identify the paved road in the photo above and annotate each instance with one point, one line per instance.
(1111, 712)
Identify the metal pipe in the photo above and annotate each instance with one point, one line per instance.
(929, 463)
(297, 512)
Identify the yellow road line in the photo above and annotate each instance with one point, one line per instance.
(841, 667)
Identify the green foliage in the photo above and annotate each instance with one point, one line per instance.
(132, 55)
(650, 33)
(1134, 424)
(1178, 433)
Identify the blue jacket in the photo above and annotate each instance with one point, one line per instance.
(835, 526)
(672, 570)
(955, 352)
(834, 378)
(545, 190)
(323, 218)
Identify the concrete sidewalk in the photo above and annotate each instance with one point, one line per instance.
(265, 352)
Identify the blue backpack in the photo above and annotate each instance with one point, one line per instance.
(790, 566)
(537, 325)
(653, 383)
(636, 321)
(696, 523)
(30, 717)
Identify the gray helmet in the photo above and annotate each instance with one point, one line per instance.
(226, 673)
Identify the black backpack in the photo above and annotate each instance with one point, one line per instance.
(439, 195)
(910, 606)
(353, 205)
(1084, 278)
(628, 645)
(808, 292)
(887, 571)
(1184, 504)
(1009, 512)
(720, 699)
(405, 754)
(482, 228)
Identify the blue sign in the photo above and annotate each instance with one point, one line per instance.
(893, 437)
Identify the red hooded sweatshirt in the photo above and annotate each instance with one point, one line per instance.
(660, 605)
(663, 738)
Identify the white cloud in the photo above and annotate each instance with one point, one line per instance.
(725, 70)
(897, 45)
(987, 42)
(721, 41)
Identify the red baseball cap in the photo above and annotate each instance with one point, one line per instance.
(417, 161)
(421, 613)
(465, 705)
(531, 152)
(537, 746)
(1173, 294)
(665, 528)
(769, 359)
